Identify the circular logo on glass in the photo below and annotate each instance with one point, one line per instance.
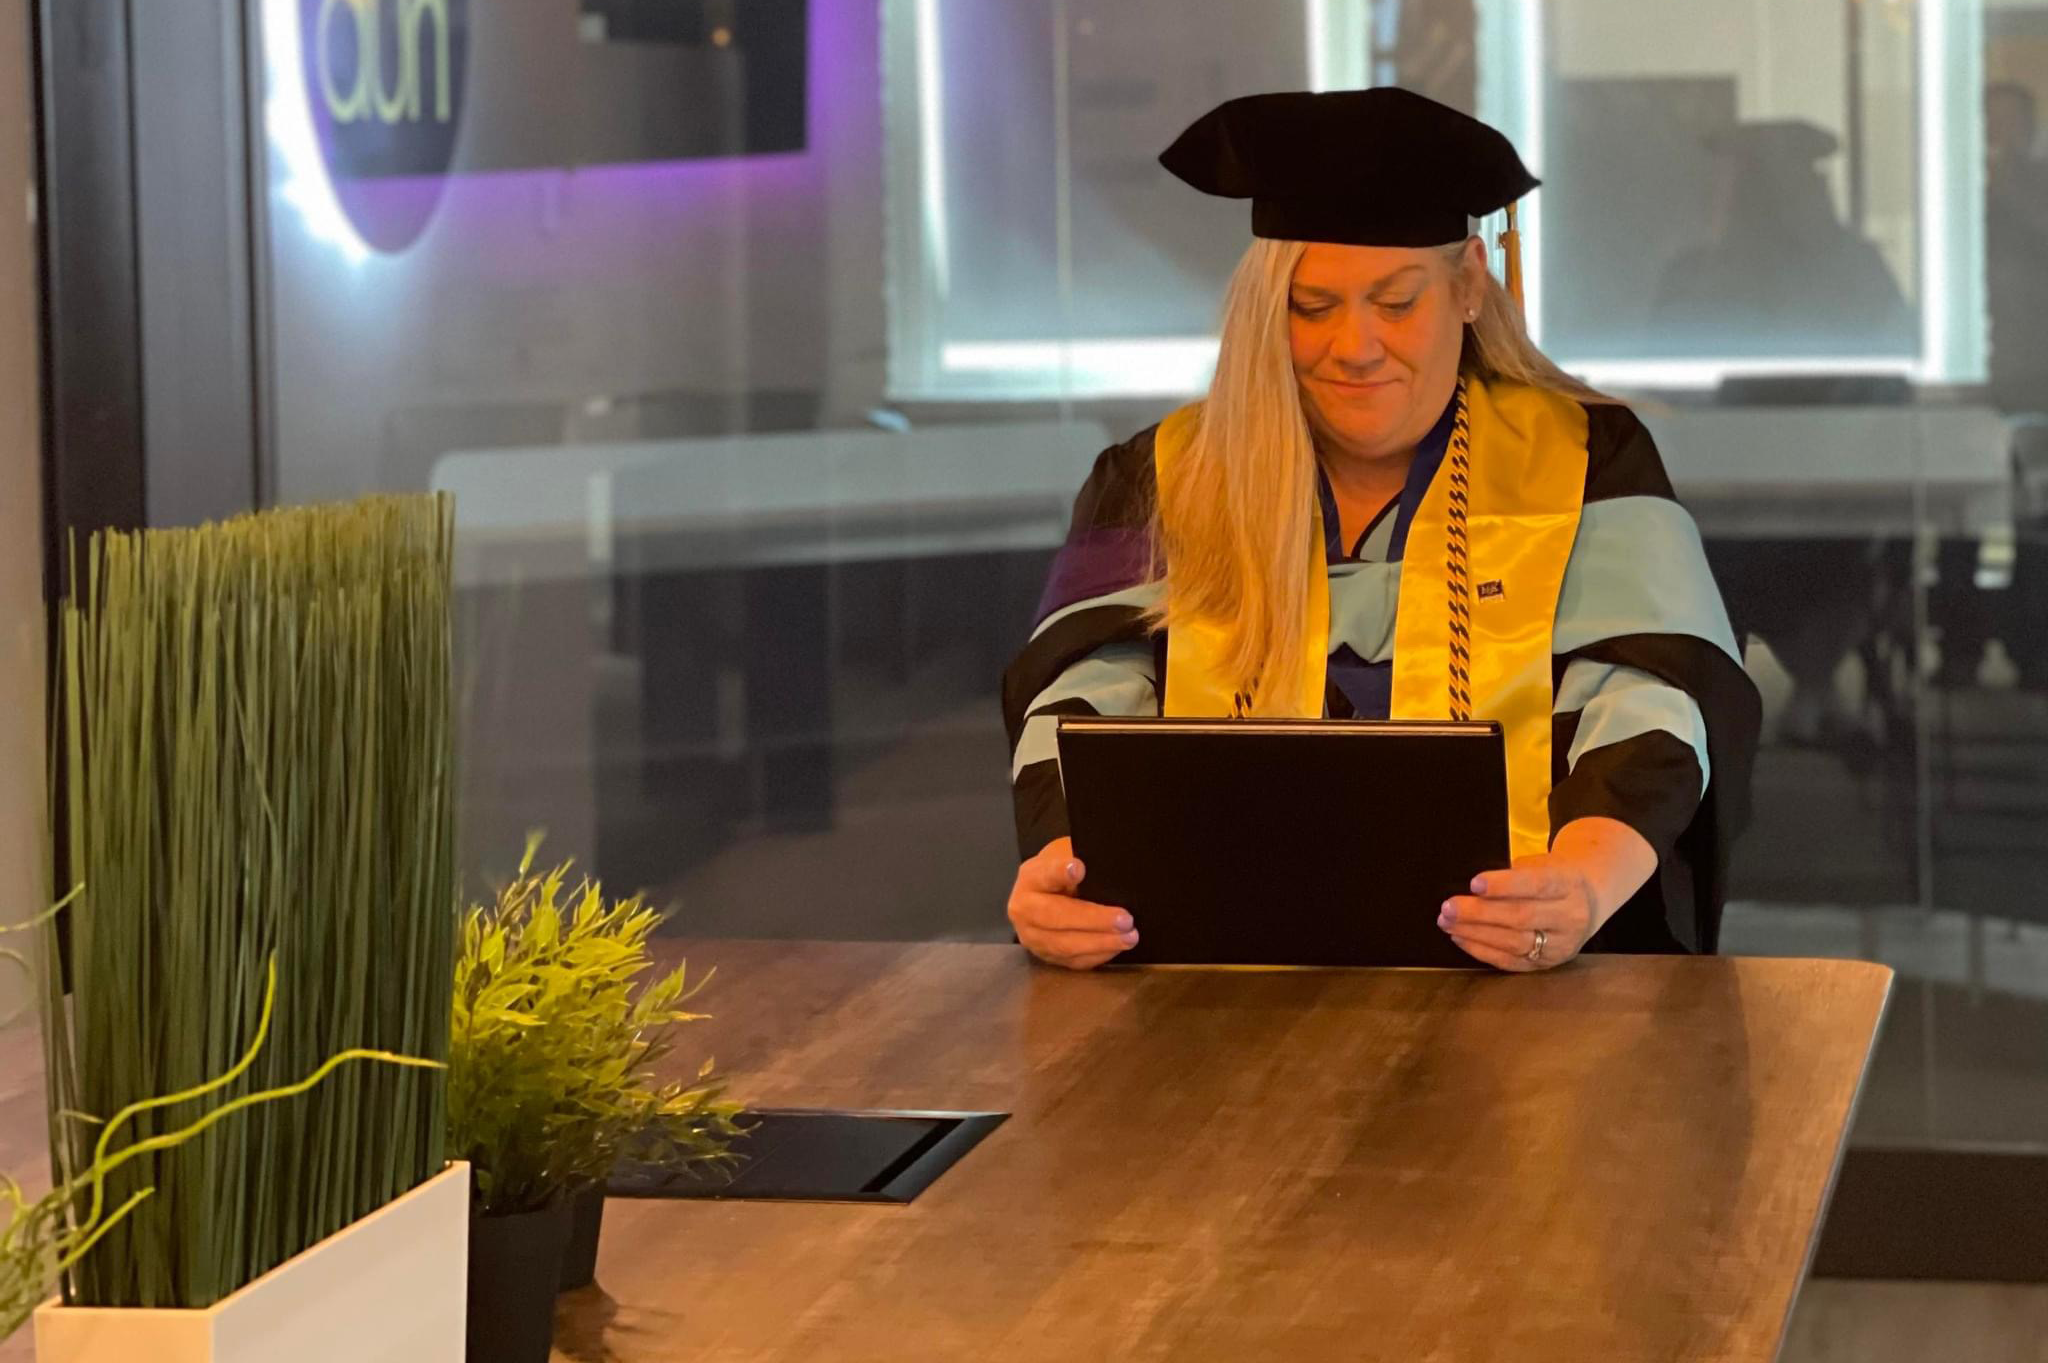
(385, 79)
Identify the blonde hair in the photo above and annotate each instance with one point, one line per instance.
(1232, 525)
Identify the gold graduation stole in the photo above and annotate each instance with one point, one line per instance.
(1479, 585)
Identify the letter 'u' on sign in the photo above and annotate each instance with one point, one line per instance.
(420, 43)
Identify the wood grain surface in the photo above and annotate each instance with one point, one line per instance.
(1621, 1160)
(1625, 1159)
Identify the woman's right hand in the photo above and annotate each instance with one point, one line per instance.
(1054, 923)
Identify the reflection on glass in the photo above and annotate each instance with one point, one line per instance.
(2016, 242)
(1774, 266)
(1723, 199)
(761, 453)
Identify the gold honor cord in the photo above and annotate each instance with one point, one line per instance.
(1457, 572)
(1458, 561)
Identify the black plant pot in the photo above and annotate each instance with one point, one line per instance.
(586, 1223)
(514, 1264)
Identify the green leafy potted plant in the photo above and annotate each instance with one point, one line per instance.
(682, 1125)
(554, 1042)
(255, 767)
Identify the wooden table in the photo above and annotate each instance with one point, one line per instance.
(1625, 1159)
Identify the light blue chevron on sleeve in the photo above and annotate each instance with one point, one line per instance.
(1618, 703)
(1117, 679)
(1141, 596)
(1638, 567)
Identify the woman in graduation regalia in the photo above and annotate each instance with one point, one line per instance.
(1391, 505)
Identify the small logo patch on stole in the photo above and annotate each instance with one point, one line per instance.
(1491, 589)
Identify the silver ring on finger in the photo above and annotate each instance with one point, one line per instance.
(1536, 952)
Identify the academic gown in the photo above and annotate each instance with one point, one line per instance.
(1654, 721)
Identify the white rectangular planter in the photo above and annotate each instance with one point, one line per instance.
(389, 1289)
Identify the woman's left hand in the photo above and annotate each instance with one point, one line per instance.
(1499, 922)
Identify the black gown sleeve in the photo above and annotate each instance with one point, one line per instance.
(1107, 550)
(1652, 782)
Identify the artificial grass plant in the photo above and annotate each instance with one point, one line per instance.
(253, 749)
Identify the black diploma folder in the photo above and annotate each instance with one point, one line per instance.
(1284, 842)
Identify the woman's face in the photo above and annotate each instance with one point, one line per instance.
(1376, 333)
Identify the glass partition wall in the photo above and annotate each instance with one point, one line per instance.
(765, 344)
